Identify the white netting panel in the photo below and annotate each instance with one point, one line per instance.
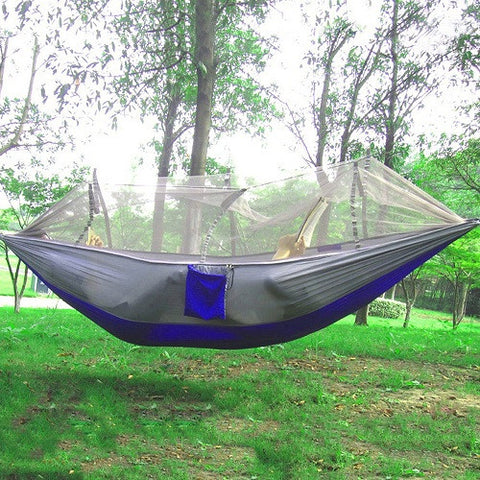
(349, 204)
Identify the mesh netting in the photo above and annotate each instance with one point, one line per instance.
(351, 204)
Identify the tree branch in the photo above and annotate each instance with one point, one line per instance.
(13, 143)
(294, 127)
(3, 59)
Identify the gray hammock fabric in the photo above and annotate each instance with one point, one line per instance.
(199, 262)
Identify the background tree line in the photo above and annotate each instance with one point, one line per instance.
(197, 71)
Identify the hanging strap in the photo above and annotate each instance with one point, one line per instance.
(224, 208)
(98, 195)
(92, 210)
(364, 198)
(95, 200)
(353, 212)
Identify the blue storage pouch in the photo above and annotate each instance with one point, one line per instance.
(205, 291)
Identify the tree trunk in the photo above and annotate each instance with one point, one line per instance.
(391, 125)
(18, 290)
(3, 61)
(460, 302)
(17, 136)
(408, 304)
(361, 316)
(347, 130)
(393, 292)
(17, 301)
(206, 72)
(322, 130)
(163, 171)
(340, 37)
(365, 72)
(390, 128)
(408, 311)
(410, 290)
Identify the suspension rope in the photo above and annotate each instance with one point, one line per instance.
(224, 208)
(364, 198)
(91, 212)
(353, 212)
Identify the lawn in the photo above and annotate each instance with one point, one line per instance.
(345, 403)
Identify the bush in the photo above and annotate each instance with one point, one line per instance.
(385, 308)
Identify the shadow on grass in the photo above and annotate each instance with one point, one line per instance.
(61, 417)
(38, 474)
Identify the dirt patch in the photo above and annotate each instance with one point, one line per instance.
(105, 463)
(236, 425)
(261, 365)
(206, 461)
(435, 465)
(202, 461)
(194, 369)
(358, 391)
(390, 403)
(163, 410)
(219, 367)
(448, 402)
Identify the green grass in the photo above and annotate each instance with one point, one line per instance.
(345, 403)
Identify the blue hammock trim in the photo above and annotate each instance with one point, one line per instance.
(237, 337)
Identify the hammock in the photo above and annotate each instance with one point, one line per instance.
(202, 262)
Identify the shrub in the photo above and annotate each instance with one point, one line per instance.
(385, 308)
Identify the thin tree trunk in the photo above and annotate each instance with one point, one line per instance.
(361, 316)
(322, 117)
(3, 61)
(364, 74)
(337, 42)
(393, 292)
(460, 303)
(347, 130)
(163, 171)
(18, 290)
(391, 126)
(206, 72)
(408, 311)
(13, 142)
(410, 297)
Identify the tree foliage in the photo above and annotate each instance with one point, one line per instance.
(146, 61)
(466, 43)
(30, 192)
(23, 124)
(459, 263)
(366, 85)
(453, 179)
(29, 131)
(451, 175)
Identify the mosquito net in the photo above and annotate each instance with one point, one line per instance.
(347, 205)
